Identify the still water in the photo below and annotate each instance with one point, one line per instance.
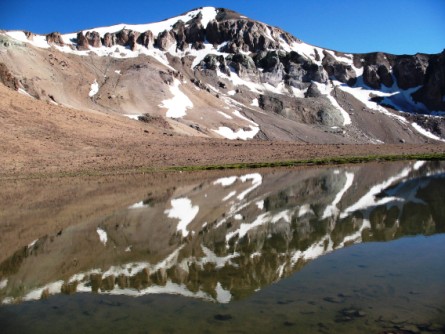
(350, 249)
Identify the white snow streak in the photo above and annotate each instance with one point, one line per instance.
(228, 133)
(332, 209)
(183, 210)
(425, 132)
(103, 237)
(178, 104)
(326, 90)
(94, 89)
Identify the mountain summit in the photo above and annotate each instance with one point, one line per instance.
(212, 72)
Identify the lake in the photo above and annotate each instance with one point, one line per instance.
(338, 249)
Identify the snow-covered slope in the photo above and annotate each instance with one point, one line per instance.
(213, 72)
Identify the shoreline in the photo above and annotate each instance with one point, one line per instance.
(348, 154)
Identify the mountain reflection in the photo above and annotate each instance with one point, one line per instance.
(221, 240)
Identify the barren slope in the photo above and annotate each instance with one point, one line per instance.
(39, 137)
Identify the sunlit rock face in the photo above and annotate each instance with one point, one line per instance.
(223, 239)
(240, 79)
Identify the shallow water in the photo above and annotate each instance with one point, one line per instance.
(348, 249)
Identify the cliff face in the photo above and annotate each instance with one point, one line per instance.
(245, 65)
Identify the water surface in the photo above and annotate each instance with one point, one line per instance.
(348, 249)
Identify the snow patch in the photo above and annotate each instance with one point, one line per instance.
(369, 199)
(178, 104)
(24, 92)
(222, 296)
(183, 210)
(94, 89)
(239, 115)
(103, 237)
(225, 115)
(229, 196)
(31, 245)
(226, 181)
(332, 209)
(51, 288)
(3, 283)
(137, 205)
(426, 133)
(135, 117)
(255, 103)
(239, 134)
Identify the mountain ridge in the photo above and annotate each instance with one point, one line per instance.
(228, 76)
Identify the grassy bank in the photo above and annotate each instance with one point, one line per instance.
(315, 161)
(243, 165)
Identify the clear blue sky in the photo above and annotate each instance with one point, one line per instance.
(395, 26)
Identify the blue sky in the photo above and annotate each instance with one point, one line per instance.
(394, 26)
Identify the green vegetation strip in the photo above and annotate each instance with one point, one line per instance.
(242, 165)
(314, 161)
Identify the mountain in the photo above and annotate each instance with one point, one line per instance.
(215, 73)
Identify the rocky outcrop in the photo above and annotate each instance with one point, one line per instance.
(133, 37)
(7, 78)
(242, 64)
(241, 35)
(122, 37)
(195, 32)
(55, 38)
(313, 91)
(29, 35)
(432, 92)
(179, 33)
(146, 39)
(338, 70)
(89, 39)
(410, 70)
(109, 40)
(165, 40)
(376, 69)
(94, 39)
(82, 41)
(270, 103)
